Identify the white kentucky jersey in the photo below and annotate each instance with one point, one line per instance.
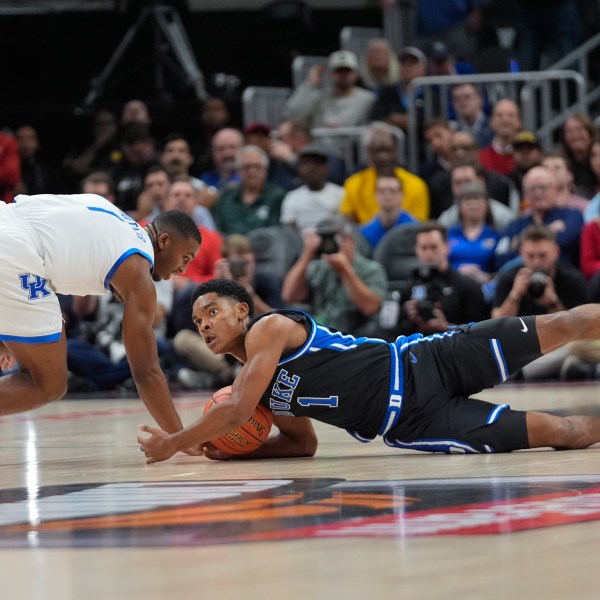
(81, 238)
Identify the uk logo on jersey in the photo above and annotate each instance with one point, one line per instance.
(35, 285)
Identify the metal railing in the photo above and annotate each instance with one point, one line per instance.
(578, 60)
(264, 104)
(544, 108)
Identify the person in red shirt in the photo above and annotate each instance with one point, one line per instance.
(10, 167)
(505, 123)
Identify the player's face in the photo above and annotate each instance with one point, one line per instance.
(220, 321)
(173, 255)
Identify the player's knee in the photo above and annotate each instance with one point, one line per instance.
(52, 390)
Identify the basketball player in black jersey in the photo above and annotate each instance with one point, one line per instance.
(414, 392)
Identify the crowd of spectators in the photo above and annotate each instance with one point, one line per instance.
(501, 225)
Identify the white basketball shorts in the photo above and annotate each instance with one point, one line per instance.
(29, 309)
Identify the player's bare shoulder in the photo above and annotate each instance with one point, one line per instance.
(276, 330)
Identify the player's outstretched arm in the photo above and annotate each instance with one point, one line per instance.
(134, 287)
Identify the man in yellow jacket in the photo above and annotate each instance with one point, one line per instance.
(359, 202)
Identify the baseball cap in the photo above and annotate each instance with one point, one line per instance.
(414, 52)
(524, 138)
(257, 127)
(439, 51)
(343, 59)
(314, 151)
(472, 189)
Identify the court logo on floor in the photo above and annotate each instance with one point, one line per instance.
(197, 513)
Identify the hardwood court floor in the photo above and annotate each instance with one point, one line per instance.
(82, 516)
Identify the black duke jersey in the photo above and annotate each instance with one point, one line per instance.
(336, 378)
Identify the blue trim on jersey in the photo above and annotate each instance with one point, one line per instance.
(499, 358)
(322, 338)
(437, 445)
(120, 260)
(108, 212)
(417, 338)
(40, 339)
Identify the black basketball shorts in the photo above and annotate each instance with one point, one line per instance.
(443, 370)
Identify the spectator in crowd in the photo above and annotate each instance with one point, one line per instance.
(438, 135)
(214, 116)
(527, 153)
(590, 257)
(547, 26)
(392, 101)
(442, 61)
(558, 164)
(152, 200)
(225, 145)
(139, 153)
(317, 198)
(541, 189)
(464, 149)
(176, 159)
(472, 241)
(437, 294)
(456, 23)
(379, 66)
(103, 152)
(505, 123)
(256, 202)
(461, 173)
(239, 264)
(343, 104)
(595, 169)
(381, 147)
(99, 182)
(36, 177)
(541, 285)
(578, 134)
(135, 111)
(468, 108)
(344, 289)
(280, 172)
(389, 196)
(182, 196)
(290, 137)
(10, 166)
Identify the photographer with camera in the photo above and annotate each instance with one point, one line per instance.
(437, 294)
(344, 289)
(542, 285)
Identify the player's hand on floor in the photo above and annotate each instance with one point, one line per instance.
(158, 446)
(7, 362)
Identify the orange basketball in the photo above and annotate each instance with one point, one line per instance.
(247, 437)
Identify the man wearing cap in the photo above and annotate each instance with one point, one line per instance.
(392, 102)
(344, 105)
(527, 153)
(317, 198)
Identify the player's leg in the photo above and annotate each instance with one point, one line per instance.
(579, 323)
(41, 379)
(544, 430)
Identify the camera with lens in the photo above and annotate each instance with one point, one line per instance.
(537, 283)
(237, 267)
(427, 290)
(330, 242)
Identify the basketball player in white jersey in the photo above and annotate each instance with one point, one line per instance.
(82, 244)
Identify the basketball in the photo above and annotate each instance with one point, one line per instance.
(247, 437)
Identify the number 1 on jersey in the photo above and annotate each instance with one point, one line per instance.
(330, 401)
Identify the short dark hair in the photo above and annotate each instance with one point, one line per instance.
(538, 233)
(429, 226)
(99, 177)
(175, 221)
(225, 288)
